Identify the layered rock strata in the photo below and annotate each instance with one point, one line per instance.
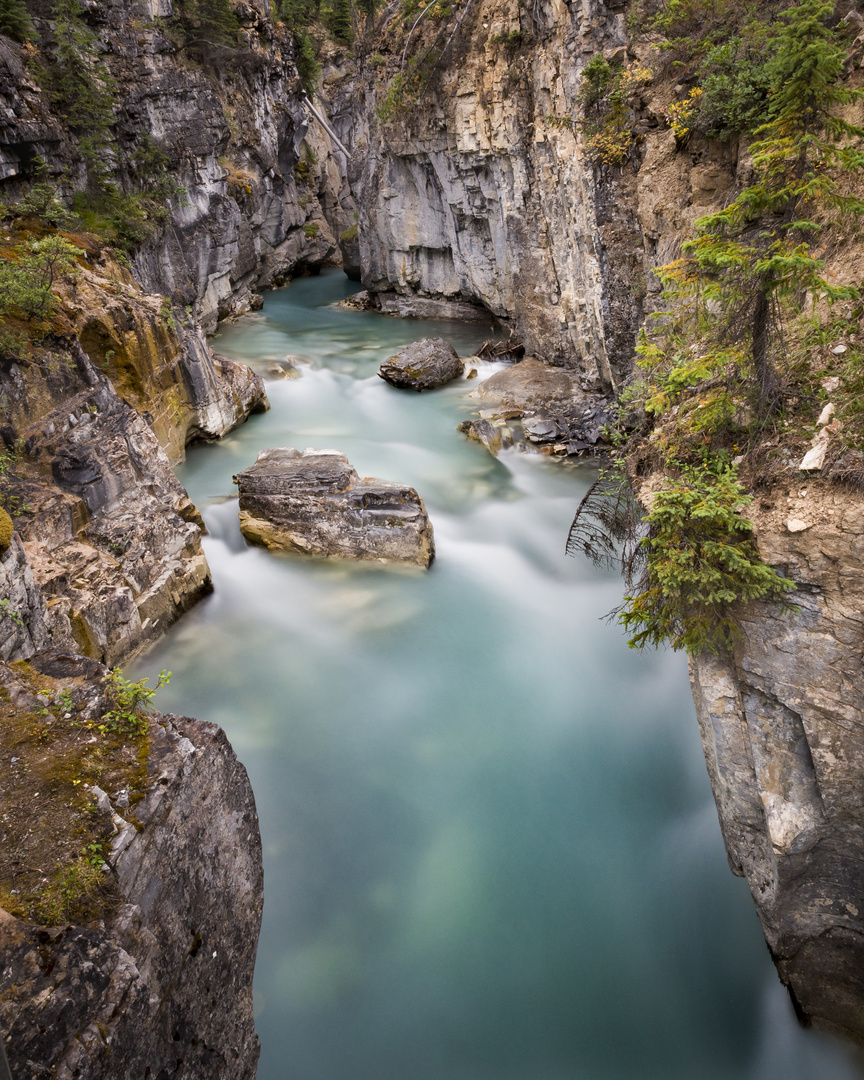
(423, 365)
(162, 986)
(485, 195)
(157, 359)
(782, 728)
(264, 193)
(314, 503)
(111, 538)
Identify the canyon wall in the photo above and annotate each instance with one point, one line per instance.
(783, 733)
(161, 984)
(92, 429)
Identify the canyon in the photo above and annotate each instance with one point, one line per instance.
(480, 202)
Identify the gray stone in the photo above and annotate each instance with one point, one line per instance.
(314, 503)
(784, 742)
(484, 432)
(164, 986)
(423, 365)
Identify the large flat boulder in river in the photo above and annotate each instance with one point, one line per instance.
(314, 503)
(423, 365)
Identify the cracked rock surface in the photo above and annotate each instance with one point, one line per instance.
(162, 986)
(314, 503)
(784, 740)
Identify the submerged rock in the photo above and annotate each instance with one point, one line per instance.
(423, 365)
(314, 503)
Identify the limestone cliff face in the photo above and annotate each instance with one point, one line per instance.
(474, 194)
(110, 535)
(258, 202)
(782, 728)
(163, 985)
(484, 191)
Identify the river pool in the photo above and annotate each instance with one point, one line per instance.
(490, 847)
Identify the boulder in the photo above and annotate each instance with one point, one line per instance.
(482, 431)
(424, 365)
(314, 503)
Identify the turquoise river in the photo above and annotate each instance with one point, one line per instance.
(490, 847)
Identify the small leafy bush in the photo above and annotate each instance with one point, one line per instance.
(510, 39)
(129, 703)
(28, 277)
(701, 560)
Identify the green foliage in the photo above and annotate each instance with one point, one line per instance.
(306, 60)
(312, 229)
(746, 260)
(14, 20)
(6, 528)
(73, 892)
(350, 234)
(735, 82)
(340, 23)
(9, 458)
(701, 562)
(510, 39)
(129, 703)
(207, 26)
(42, 201)
(6, 609)
(596, 78)
(83, 89)
(299, 13)
(406, 87)
(27, 279)
(605, 93)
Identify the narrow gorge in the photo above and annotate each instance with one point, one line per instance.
(444, 760)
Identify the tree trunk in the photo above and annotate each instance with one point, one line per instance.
(769, 384)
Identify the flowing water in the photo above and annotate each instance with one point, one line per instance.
(490, 847)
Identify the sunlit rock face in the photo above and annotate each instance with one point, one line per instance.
(314, 503)
(782, 729)
(111, 538)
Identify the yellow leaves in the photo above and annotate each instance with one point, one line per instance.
(608, 147)
(680, 113)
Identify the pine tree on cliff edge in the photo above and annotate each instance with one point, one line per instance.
(14, 20)
(756, 252)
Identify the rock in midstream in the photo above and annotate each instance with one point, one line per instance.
(486, 433)
(423, 365)
(314, 503)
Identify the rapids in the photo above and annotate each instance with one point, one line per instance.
(490, 846)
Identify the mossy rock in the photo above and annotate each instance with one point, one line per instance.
(6, 529)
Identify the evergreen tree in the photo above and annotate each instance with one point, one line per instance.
(756, 252)
(218, 22)
(207, 25)
(84, 90)
(299, 13)
(14, 20)
(340, 21)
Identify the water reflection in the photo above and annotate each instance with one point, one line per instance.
(490, 847)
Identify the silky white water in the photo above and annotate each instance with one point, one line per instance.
(490, 847)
